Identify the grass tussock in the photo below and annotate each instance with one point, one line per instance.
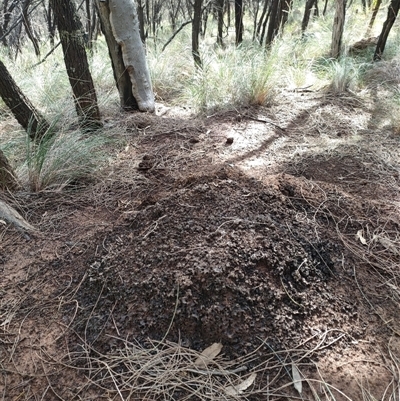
(231, 77)
(62, 158)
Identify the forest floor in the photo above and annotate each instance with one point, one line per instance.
(273, 231)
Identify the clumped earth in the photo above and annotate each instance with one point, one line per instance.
(232, 229)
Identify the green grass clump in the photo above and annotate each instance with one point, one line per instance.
(61, 159)
(231, 77)
(340, 75)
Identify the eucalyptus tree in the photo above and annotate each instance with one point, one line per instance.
(393, 11)
(238, 21)
(71, 36)
(23, 110)
(278, 13)
(309, 6)
(196, 26)
(338, 27)
(120, 24)
(219, 9)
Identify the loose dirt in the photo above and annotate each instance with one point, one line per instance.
(272, 231)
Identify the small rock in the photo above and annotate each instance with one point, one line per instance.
(229, 140)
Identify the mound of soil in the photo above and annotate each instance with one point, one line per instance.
(222, 259)
(195, 251)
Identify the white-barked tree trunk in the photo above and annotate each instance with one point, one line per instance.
(125, 26)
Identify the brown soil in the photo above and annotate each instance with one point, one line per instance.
(273, 231)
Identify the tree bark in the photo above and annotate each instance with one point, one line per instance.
(196, 24)
(140, 10)
(76, 62)
(338, 27)
(387, 26)
(8, 178)
(261, 21)
(121, 75)
(24, 111)
(377, 5)
(273, 26)
(325, 8)
(239, 21)
(307, 13)
(125, 27)
(28, 27)
(220, 21)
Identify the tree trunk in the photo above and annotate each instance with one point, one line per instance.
(262, 20)
(71, 36)
(196, 24)
(273, 26)
(387, 26)
(228, 13)
(256, 9)
(239, 21)
(50, 23)
(220, 21)
(140, 9)
(120, 25)
(377, 5)
(124, 22)
(325, 8)
(8, 179)
(28, 27)
(338, 27)
(307, 13)
(24, 111)
(121, 75)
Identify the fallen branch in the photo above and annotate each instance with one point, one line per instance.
(10, 215)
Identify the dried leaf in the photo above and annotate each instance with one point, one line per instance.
(208, 355)
(244, 385)
(297, 382)
(360, 236)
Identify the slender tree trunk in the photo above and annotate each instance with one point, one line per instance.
(24, 111)
(239, 21)
(307, 13)
(262, 20)
(325, 8)
(140, 10)
(256, 9)
(196, 24)
(71, 36)
(220, 21)
(377, 5)
(8, 178)
(204, 19)
(273, 26)
(387, 26)
(28, 27)
(338, 27)
(228, 13)
(50, 23)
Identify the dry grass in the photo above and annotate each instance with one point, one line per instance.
(162, 369)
